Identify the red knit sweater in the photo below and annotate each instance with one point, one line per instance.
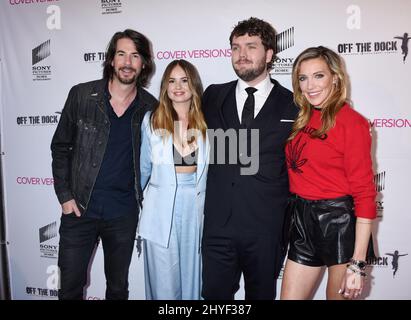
(336, 164)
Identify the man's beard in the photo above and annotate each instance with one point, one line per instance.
(125, 80)
(248, 75)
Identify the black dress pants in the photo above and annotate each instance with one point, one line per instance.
(78, 239)
(228, 255)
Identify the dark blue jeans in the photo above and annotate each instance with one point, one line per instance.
(78, 239)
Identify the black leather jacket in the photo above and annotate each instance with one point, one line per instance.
(80, 140)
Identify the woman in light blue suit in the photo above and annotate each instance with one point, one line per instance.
(174, 163)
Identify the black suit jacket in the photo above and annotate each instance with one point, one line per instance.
(253, 203)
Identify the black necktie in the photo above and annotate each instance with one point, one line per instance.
(248, 110)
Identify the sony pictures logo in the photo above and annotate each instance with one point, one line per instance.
(111, 6)
(379, 181)
(41, 72)
(47, 233)
(283, 65)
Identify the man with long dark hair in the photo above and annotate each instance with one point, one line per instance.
(96, 155)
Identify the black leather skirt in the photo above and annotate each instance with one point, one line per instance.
(321, 232)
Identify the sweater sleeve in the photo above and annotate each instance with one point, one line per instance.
(358, 166)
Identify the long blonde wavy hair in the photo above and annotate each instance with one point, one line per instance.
(333, 103)
(164, 115)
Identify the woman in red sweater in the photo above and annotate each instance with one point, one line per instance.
(331, 179)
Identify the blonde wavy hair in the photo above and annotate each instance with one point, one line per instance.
(333, 103)
(164, 115)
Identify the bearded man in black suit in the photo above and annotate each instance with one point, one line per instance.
(246, 198)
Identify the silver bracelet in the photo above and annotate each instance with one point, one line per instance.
(356, 270)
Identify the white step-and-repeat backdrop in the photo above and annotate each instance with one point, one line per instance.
(47, 46)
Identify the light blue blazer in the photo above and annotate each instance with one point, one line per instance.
(159, 182)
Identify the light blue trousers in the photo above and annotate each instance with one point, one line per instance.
(174, 273)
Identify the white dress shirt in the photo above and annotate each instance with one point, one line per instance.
(260, 96)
